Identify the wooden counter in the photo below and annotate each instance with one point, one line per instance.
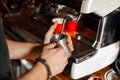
(100, 74)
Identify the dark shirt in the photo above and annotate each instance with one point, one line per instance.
(5, 72)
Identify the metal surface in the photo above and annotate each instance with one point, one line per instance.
(82, 51)
(62, 40)
(108, 30)
(101, 30)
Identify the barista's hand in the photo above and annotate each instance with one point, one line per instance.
(55, 57)
(50, 34)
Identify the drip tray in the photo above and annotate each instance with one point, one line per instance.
(81, 51)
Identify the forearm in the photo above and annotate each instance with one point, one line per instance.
(23, 50)
(38, 72)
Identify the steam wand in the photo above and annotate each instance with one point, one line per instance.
(63, 23)
(79, 17)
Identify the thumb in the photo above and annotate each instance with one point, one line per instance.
(49, 33)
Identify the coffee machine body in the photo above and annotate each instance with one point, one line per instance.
(103, 51)
(87, 59)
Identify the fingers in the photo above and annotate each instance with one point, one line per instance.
(51, 46)
(52, 28)
(69, 42)
(50, 32)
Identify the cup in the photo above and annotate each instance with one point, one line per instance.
(59, 26)
(71, 25)
(62, 40)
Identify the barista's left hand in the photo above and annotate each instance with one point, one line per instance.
(50, 34)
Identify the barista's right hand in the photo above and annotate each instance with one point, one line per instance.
(55, 57)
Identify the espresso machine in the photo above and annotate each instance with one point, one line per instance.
(88, 59)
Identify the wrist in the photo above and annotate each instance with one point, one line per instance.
(42, 71)
(46, 65)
